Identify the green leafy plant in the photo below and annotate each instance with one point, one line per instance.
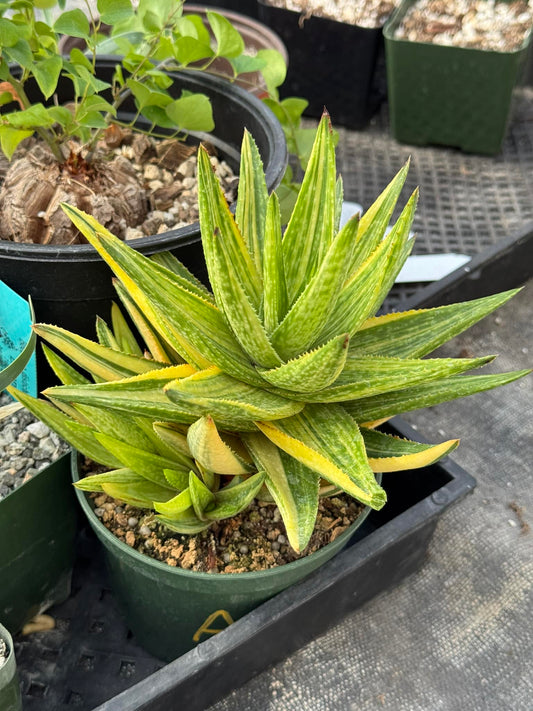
(149, 40)
(273, 384)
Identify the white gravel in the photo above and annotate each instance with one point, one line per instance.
(26, 447)
(480, 24)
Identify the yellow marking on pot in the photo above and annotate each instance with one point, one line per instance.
(413, 461)
(205, 628)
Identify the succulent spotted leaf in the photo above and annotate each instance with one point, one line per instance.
(387, 453)
(272, 383)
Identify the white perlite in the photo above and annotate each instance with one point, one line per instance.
(363, 13)
(479, 24)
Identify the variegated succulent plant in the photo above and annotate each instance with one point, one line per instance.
(271, 386)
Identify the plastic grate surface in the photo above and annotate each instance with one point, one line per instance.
(90, 656)
(468, 203)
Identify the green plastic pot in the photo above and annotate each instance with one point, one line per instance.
(450, 96)
(38, 524)
(170, 610)
(10, 699)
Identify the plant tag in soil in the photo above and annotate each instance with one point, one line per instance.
(15, 330)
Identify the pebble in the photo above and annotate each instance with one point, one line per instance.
(145, 531)
(38, 429)
(243, 549)
(132, 521)
(226, 557)
(151, 172)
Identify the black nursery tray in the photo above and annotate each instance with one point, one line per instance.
(92, 661)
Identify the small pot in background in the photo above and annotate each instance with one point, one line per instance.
(331, 64)
(447, 95)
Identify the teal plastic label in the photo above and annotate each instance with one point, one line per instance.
(15, 330)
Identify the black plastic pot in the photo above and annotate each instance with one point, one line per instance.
(245, 7)
(331, 64)
(95, 660)
(171, 610)
(10, 699)
(71, 285)
(38, 525)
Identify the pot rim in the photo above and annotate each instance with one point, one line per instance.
(95, 522)
(182, 235)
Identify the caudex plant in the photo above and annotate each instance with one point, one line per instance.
(273, 384)
(70, 157)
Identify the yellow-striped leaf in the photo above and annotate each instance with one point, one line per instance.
(387, 405)
(312, 371)
(252, 200)
(80, 436)
(211, 451)
(413, 334)
(293, 487)
(158, 348)
(210, 392)
(376, 219)
(389, 453)
(215, 216)
(328, 441)
(141, 395)
(101, 361)
(311, 227)
(191, 324)
(367, 376)
(63, 370)
(275, 298)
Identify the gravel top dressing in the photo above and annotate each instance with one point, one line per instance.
(253, 540)
(363, 13)
(478, 24)
(26, 447)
